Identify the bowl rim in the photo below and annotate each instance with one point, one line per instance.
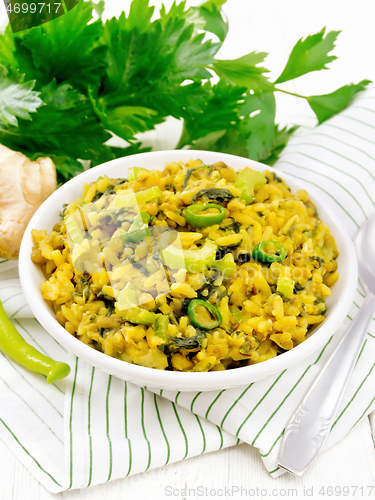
(173, 380)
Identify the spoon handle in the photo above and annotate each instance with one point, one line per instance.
(310, 425)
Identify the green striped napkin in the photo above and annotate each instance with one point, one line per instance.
(93, 427)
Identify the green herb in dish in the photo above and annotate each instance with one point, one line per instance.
(214, 194)
(187, 343)
(189, 173)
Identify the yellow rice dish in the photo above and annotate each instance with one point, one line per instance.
(195, 268)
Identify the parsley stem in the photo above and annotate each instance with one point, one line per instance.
(64, 6)
(290, 93)
(184, 139)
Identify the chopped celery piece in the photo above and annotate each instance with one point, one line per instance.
(73, 228)
(148, 194)
(132, 199)
(126, 306)
(327, 253)
(137, 315)
(161, 326)
(285, 286)
(236, 313)
(127, 297)
(194, 261)
(248, 180)
(133, 172)
(138, 230)
(226, 265)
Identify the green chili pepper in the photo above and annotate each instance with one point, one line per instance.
(200, 313)
(269, 251)
(14, 346)
(197, 219)
(138, 230)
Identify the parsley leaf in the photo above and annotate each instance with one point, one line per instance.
(244, 72)
(125, 121)
(148, 64)
(218, 114)
(243, 125)
(310, 54)
(15, 57)
(66, 167)
(67, 48)
(249, 135)
(17, 98)
(234, 142)
(281, 138)
(208, 17)
(8, 58)
(260, 125)
(98, 7)
(68, 115)
(326, 106)
(82, 81)
(144, 55)
(109, 153)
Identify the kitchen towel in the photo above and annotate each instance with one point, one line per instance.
(92, 427)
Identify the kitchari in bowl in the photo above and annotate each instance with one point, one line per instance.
(194, 268)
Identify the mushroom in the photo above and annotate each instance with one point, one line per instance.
(24, 185)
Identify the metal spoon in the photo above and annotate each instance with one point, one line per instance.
(309, 427)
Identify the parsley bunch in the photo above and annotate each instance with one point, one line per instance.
(67, 86)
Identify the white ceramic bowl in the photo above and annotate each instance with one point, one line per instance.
(48, 215)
